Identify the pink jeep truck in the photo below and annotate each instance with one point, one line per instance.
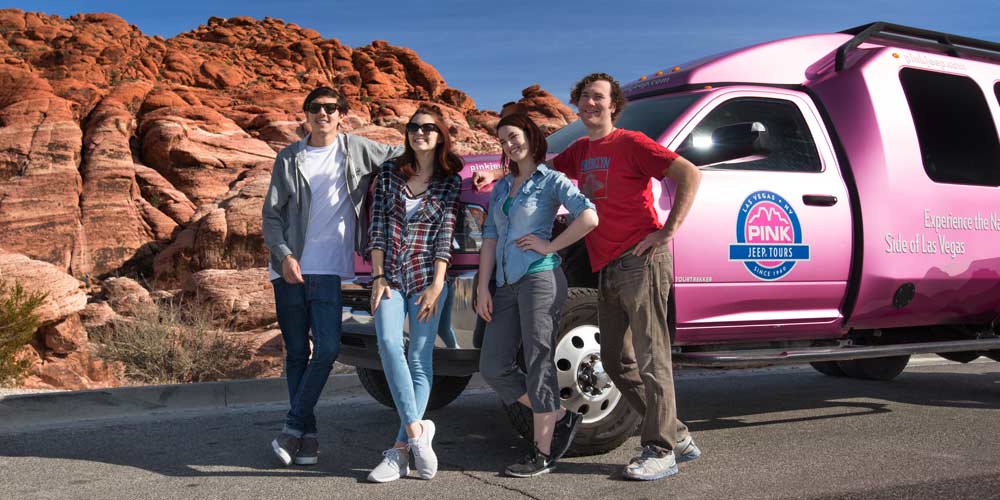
(848, 217)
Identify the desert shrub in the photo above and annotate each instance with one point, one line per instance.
(173, 343)
(18, 323)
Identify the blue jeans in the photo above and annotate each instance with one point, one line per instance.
(445, 331)
(409, 373)
(314, 306)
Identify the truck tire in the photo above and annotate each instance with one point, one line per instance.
(608, 420)
(961, 357)
(444, 390)
(828, 368)
(875, 368)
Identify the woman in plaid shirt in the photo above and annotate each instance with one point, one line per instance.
(413, 216)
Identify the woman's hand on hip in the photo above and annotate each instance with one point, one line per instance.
(533, 242)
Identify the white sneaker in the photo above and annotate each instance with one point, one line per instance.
(424, 458)
(650, 466)
(394, 465)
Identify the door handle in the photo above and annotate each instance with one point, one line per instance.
(819, 200)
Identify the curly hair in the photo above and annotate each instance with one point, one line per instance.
(617, 96)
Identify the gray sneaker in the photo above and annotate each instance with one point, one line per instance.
(395, 464)
(424, 458)
(686, 450)
(649, 465)
(285, 447)
(308, 453)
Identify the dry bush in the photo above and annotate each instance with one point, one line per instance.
(173, 343)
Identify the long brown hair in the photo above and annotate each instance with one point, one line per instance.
(445, 161)
(532, 135)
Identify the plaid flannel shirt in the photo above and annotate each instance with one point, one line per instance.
(411, 247)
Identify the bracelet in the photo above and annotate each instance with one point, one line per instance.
(381, 276)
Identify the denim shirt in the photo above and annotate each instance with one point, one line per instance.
(532, 211)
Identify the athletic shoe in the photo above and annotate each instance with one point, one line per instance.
(563, 434)
(424, 458)
(308, 453)
(285, 446)
(394, 465)
(534, 463)
(650, 465)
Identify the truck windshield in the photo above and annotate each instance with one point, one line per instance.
(649, 116)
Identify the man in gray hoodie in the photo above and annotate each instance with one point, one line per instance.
(312, 225)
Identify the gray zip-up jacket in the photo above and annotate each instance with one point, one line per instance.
(286, 206)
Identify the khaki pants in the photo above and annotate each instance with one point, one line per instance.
(635, 341)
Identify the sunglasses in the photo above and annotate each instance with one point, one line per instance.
(427, 128)
(329, 107)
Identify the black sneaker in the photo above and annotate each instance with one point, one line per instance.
(565, 431)
(308, 453)
(285, 447)
(534, 463)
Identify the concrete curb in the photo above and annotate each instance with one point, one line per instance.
(18, 412)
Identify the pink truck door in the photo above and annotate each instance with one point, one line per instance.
(765, 252)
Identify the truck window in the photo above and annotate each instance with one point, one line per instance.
(468, 234)
(957, 136)
(650, 116)
(753, 133)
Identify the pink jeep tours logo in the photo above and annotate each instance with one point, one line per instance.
(768, 236)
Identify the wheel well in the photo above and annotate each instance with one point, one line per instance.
(576, 266)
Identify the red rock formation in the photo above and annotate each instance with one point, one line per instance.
(544, 109)
(40, 182)
(124, 153)
(59, 354)
(223, 235)
(239, 299)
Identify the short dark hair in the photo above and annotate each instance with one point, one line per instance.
(326, 92)
(532, 135)
(617, 96)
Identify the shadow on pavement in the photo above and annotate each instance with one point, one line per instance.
(473, 434)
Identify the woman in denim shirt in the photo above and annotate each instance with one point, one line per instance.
(413, 217)
(531, 287)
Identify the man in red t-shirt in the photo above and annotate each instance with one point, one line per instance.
(629, 248)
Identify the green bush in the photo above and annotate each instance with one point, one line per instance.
(173, 343)
(18, 323)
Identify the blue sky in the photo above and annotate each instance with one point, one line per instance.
(494, 49)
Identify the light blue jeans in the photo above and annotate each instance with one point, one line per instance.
(408, 371)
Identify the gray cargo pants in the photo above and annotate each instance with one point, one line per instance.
(525, 314)
(635, 341)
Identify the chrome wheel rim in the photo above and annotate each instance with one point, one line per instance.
(583, 384)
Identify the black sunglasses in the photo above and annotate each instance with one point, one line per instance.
(427, 128)
(329, 107)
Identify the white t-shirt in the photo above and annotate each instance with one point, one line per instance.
(412, 204)
(329, 245)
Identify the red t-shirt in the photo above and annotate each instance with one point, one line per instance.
(614, 172)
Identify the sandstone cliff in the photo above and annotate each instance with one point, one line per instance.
(126, 154)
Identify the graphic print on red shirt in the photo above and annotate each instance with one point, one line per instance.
(615, 172)
(594, 178)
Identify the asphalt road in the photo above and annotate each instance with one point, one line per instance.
(774, 433)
